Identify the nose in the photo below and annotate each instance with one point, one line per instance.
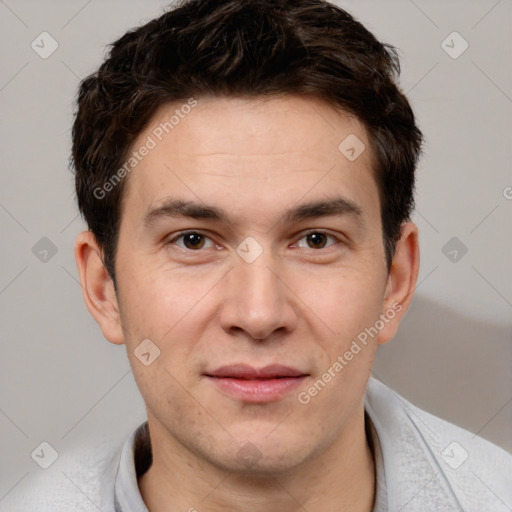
(257, 301)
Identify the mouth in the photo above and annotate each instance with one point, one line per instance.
(256, 385)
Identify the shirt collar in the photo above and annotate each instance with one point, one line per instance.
(135, 459)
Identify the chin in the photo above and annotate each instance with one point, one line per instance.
(256, 464)
(260, 457)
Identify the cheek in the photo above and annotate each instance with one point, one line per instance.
(173, 310)
(156, 304)
(169, 397)
(350, 306)
(346, 301)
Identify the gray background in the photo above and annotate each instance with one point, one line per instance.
(61, 382)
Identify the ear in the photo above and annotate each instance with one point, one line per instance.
(97, 287)
(402, 279)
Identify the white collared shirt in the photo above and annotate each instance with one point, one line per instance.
(423, 463)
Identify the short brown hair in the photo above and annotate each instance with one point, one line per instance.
(242, 48)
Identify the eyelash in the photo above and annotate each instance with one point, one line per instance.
(309, 232)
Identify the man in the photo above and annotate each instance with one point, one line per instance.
(246, 170)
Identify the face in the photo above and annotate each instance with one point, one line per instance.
(250, 253)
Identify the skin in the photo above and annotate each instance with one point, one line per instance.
(298, 304)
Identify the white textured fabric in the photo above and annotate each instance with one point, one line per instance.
(423, 464)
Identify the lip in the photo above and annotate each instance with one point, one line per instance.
(256, 385)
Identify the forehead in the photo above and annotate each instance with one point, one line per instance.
(261, 149)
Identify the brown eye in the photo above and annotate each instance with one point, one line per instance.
(193, 240)
(316, 240)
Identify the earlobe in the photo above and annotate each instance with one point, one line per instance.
(97, 287)
(402, 280)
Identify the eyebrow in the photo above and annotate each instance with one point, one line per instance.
(179, 208)
(173, 208)
(335, 206)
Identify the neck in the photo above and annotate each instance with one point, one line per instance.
(342, 477)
